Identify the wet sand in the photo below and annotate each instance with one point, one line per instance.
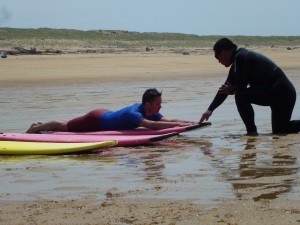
(210, 176)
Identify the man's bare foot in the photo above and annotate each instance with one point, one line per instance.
(32, 128)
(254, 133)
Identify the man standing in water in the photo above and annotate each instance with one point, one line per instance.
(254, 79)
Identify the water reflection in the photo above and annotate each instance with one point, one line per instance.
(147, 159)
(101, 157)
(263, 172)
(152, 161)
(154, 166)
(156, 155)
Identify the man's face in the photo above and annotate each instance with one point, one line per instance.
(224, 57)
(155, 106)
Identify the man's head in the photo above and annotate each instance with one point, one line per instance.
(152, 101)
(223, 49)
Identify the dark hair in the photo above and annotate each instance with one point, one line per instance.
(150, 94)
(224, 44)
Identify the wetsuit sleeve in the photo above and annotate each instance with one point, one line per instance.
(220, 98)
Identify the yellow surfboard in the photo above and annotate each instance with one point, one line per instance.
(45, 148)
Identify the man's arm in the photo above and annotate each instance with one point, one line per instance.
(177, 120)
(161, 124)
(223, 92)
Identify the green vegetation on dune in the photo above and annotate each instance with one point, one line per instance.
(45, 38)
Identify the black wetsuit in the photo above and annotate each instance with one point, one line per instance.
(258, 80)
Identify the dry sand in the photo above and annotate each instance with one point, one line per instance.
(125, 67)
(118, 208)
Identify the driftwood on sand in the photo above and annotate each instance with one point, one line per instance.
(31, 51)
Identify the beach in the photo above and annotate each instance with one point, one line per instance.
(215, 175)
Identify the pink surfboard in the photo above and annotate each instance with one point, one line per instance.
(123, 140)
(140, 131)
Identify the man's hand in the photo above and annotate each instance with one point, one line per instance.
(205, 116)
(226, 89)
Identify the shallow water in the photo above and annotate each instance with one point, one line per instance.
(205, 165)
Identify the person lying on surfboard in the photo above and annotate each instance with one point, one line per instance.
(145, 114)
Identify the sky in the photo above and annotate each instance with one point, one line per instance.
(210, 17)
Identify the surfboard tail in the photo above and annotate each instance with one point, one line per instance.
(200, 125)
